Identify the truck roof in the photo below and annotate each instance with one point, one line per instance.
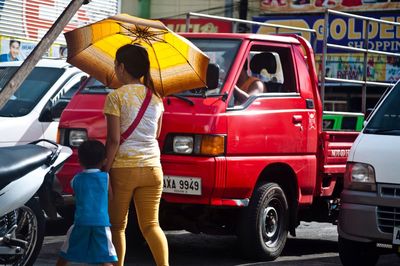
(243, 36)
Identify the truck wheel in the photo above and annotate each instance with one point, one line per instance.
(263, 226)
(357, 253)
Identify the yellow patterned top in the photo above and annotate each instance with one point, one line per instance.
(141, 148)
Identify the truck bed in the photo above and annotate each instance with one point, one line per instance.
(335, 150)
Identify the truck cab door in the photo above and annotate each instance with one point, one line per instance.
(272, 124)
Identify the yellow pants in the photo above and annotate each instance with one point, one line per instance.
(144, 186)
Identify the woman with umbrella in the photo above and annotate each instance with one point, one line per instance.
(104, 50)
(133, 155)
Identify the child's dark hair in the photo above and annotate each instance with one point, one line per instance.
(91, 153)
(136, 61)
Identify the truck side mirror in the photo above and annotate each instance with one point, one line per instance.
(83, 80)
(212, 76)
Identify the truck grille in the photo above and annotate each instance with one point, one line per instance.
(388, 217)
(393, 192)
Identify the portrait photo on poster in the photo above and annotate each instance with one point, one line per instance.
(13, 53)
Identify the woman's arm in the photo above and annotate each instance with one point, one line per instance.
(159, 126)
(240, 95)
(113, 138)
(256, 87)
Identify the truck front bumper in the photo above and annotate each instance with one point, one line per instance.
(368, 216)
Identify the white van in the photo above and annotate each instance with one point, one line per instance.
(369, 214)
(34, 110)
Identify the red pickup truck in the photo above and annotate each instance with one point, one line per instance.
(254, 169)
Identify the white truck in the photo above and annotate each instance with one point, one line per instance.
(370, 201)
(34, 109)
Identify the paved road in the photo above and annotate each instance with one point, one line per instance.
(315, 244)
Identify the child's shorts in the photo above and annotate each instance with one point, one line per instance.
(89, 244)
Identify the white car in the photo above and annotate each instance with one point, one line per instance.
(369, 215)
(33, 111)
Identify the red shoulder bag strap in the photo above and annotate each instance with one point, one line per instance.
(139, 116)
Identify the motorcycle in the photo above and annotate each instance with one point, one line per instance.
(26, 176)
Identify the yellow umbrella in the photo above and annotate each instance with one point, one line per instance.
(175, 63)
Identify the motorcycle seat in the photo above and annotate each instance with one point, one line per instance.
(17, 161)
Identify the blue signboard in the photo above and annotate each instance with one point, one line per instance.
(343, 30)
(347, 32)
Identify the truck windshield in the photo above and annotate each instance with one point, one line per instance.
(38, 82)
(222, 53)
(386, 120)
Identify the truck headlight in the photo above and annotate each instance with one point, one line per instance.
(359, 176)
(183, 144)
(209, 145)
(76, 137)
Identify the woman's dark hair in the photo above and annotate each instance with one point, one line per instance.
(91, 153)
(136, 61)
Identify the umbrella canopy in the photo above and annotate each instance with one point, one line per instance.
(175, 63)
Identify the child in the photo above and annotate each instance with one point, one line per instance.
(89, 238)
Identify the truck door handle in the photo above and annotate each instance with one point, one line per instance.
(297, 119)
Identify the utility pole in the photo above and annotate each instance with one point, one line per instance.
(30, 62)
(243, 7)
(144, 7)
(228, 8)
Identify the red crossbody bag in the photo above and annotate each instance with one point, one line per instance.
(139, 116)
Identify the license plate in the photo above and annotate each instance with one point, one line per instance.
(182, 185)
(396, 236)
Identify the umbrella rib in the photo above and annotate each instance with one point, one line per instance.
(194, 70)
(159, 67)
(147, 38)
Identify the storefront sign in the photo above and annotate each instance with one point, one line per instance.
(198, 25)
(348, 32)
(301, 6)
(342, 30)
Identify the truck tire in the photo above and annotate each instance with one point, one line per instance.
(357, 253)
(263, 224)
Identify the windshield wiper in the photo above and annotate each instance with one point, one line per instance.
(183, 98)
(100, 89)
(96, 87)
